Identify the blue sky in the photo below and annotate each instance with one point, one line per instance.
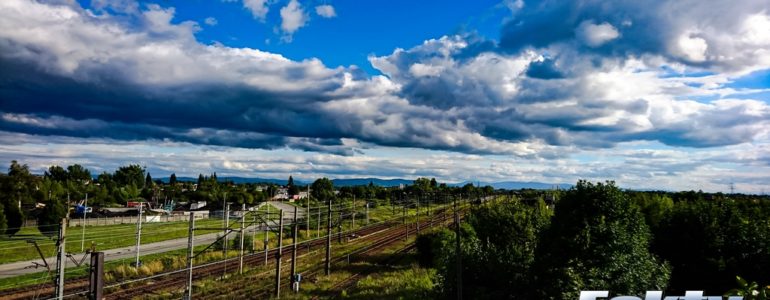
(358, 30)
(665, 94)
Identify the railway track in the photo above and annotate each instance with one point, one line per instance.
(78, 286)
(129, 289)
(392, 236)
(179, 279)
(42, 291)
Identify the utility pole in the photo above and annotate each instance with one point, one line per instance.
(353, 222)
(418, 214)
(138, 234)
(328, 263)
(243, 233)
(406, 226)
(254, 234)
(458, 254)
(225, 241)
(267, 232)
(96, 276)
(367, 213)
(190, 235)
(278, 257)
(61, 262)
(226, 210)
(294, 248)
(83, 234)
(307, 212)
(339, 229)
(318, 224)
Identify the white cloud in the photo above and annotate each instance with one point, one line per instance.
(293, 17)
(594, 35)
(326, 11)
(455, 93)
(258, 8)
(211, 21)
(421, 70)
(692, 48)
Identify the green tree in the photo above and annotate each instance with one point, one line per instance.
(597, 240)
(49, 219)
(3, 221)
(293, 189)
(172, 179)
(78, 173)
(322, 189)
(498, 263)
(14, 218)
(148, 181)
(709, 242)
(18, 186)
(56, 173)
(132, 174)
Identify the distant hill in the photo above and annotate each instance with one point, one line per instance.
(375, 181)
(509, 185)
(516, 185)
(238, 180)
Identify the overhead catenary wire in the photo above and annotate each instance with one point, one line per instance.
(255, 227)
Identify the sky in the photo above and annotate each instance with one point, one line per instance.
(660, 94)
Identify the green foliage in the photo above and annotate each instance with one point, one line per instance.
(78, 173)
(411, 283)
(497, 247)
(248, 241)
(322, 189)
(49, 219)
(131, 174)
(654, 206)
(3, 221)
(293, 189)
(709, 242)
(219, 244)
(749, 290)
(598, 240)
(433, 248)
(508, 233)
(18, 186)
(14, 218)
(148, 181)
(56, 173)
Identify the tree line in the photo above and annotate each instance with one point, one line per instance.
(47, 198)
(599, 237)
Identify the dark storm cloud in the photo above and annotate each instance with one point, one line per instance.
(655, 27)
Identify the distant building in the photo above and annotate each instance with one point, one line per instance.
(281, 194)
(301, 195)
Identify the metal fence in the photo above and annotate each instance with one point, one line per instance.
(74, 222)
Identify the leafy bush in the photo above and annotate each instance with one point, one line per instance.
(598, 240)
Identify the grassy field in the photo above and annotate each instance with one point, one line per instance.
(401, 279)
(103, 237)
(124, 235)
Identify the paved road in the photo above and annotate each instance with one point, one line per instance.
(288, 210)
(26, 267)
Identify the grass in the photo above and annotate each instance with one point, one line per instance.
(102, 237)
(404, 279)
(121, 269)
(408, 282)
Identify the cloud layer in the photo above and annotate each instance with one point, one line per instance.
(564, 78)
